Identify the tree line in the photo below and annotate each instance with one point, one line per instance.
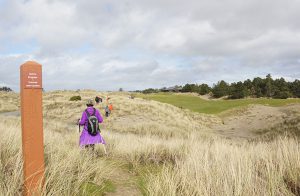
(258, 87)
(6, 89)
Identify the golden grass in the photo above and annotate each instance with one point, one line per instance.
(218, 167)
(9, 101)
(140, 132)
(67, 167)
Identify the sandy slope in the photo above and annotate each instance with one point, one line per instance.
(136, 116)
(244, 122)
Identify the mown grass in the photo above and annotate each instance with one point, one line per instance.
(197, 104)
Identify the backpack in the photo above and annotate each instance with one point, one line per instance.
(98, 99)
(93, 123)
(107, 109)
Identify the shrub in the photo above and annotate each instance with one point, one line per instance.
(150, 90)
(238, 91)
(282, 95)
(75, 98)
(6, 89)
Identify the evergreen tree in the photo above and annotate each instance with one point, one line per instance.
(204, 89)
(220, 89)
(238, 90)
(258, 84)
(258, 87)
(187, 88)
(249, 86)
(268, 90)
(195, 88)
(295, 88)
(150, 90)
(281, 89)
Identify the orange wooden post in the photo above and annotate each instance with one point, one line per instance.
(32, 126)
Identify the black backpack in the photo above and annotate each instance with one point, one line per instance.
(98, 99)
(93, 123)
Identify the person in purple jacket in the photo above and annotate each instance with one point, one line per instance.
(86, 139)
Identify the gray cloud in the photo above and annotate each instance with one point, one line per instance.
(138, 44)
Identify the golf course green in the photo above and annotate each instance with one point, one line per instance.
(197, 104)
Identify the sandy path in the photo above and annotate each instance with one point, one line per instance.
(125, 182)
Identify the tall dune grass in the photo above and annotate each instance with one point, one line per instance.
(9, 101)
(11, 173)
(68, 167)
(218, 167)
(193, 161)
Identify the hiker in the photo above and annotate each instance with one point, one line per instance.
(110, 107)
(90, 134)
(98, 100)
(107, 111)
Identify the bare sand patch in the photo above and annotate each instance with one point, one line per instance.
(245, 122)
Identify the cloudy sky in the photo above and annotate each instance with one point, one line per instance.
(136, 44)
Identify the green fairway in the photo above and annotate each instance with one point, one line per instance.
(197, 104)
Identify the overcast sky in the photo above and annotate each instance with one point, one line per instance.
(136, 44)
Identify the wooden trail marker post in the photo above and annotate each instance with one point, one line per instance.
(32, 126)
